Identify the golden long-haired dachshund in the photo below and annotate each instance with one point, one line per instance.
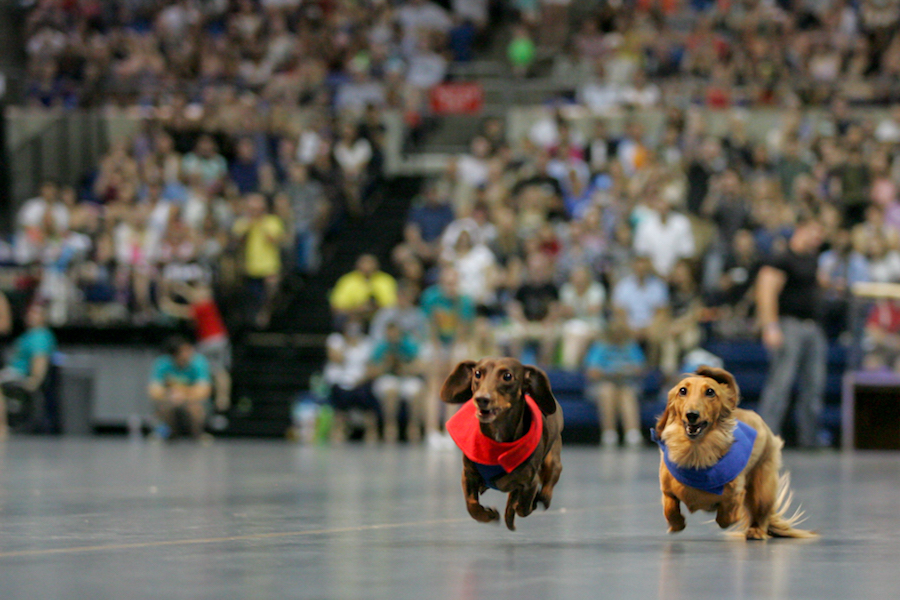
(720, 458)
(509, 431)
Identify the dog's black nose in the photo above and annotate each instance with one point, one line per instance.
(483, 402)
(692, 416)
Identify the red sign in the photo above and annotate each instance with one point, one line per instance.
(457, 98)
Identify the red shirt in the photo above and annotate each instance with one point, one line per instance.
(885, 316)
(208, 320)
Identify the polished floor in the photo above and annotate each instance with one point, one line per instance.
(117, 518)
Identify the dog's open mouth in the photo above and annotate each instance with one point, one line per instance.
(693, 430)
(486, 415)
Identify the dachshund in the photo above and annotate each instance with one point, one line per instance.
(509, 431)
(720, 458)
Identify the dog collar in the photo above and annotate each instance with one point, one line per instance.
(494, 459)
(713, 479)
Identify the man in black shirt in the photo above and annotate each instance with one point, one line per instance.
(787, 306)
(534, 310)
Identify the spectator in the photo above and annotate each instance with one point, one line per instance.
(642, 298)
(787, 295)
(450, 316)
(840, 268)
(681, 331)
(180, 389)
(206, 162)
(881, 340)
(534, 311)
(346, 372)
(396, 368)
(477, 271)
(244, 171)
(406, 314)
(199, 306)
(426, 223)
(664, 236)
(262, 235)
(31, 214)
(28, 366)
(310, 211)
(581, 306)
(615, 368)
(363, 291)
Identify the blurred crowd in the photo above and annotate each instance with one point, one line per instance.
(585, 244)
(331, 53)
(618, 252)
(184, 201)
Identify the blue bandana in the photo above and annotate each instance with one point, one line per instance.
(713, 479)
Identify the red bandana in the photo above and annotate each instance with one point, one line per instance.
(465, 430)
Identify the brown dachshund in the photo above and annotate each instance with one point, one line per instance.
(509, 430)
(719, 458)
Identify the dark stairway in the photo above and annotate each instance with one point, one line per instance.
(270, 368)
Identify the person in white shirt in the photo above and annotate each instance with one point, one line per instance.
(663, 235)
(418, 16)
(31, 214)
(347, 372)
(581, 301)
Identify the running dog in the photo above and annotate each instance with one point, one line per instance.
(509, 431)
(719, 458)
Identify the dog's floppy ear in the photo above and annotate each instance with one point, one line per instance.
(725, 378)
(538, 387)
(457, 388)
(664, 417)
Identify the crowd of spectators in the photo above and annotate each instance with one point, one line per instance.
(185, 201)
(331, 53)
(628, 262)
(581, 245)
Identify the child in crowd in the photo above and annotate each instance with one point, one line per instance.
(615, 367)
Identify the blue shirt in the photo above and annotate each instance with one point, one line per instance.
(432, 220)
(166, 371)
(614, 359)
(447, 314)
(405, 349)
(641, 301)
(31, 344)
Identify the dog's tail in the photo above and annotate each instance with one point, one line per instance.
(781, 525)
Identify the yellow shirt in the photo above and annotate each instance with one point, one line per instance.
(262, 245)
(353, 290)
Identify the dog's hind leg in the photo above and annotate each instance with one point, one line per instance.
(729, 512)
(551, 469)
(512, 505)
(762, 489)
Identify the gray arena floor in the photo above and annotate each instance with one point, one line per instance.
(112, 518)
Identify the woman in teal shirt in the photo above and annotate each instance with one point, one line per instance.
(30, 359)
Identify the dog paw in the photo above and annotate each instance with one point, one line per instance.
(757, 533)
(676, 525)
(489, 515)
(511, 522)
(541, 499)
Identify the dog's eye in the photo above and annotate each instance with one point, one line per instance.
(682, 391)
(507, 376)
(477, 374)
(710, 392)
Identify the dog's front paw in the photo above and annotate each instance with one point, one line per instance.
(485, 514)
(676, 524)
